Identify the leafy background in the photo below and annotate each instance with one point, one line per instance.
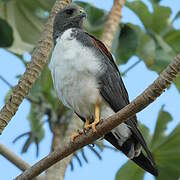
(144, 38)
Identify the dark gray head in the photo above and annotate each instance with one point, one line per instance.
(70, 17)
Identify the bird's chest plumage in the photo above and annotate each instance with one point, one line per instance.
(74, 69)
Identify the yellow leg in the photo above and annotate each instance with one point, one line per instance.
(86, 125)
(75, 135)
(96, 118)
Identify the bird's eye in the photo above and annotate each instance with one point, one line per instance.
(69, 11)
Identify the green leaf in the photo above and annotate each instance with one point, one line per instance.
(127, 44)
(177, 82)
(173, 39)
(167, 155)
(177, 16)
(26, 19)
(130, 171)
(164, 53)
(146, 133)
(141, 10)
(6, 34)
(159, 134)
(155, 1)
(159, 24)
(36, 122)
(146, 49)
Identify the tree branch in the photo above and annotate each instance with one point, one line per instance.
(12, 157)
(29, 98)
(112, 22)
(57, 171)
(16, 160)
(38, 60)
(142, 101)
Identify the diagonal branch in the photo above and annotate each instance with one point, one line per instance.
(16, 160)
(38, 60)
(57, 171)
(12, 157)
(142, 101)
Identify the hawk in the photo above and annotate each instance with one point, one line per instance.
(88, 81)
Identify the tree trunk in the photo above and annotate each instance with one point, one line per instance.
(57, 171)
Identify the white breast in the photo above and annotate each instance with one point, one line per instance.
(74, 67)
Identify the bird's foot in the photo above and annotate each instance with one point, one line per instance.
(94, 124)
(96, 118)
(76, 134)
(86, 125)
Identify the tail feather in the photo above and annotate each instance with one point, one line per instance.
(144, 163)
(141, 160)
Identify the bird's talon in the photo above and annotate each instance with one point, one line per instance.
(75, 135)
(87, 125)
(84, 131)
(94, 127)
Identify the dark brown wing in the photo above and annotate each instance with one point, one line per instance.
(114, 92)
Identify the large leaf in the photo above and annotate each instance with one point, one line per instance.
(167, 155)
(127, 43)
(26, 19)
(177, 82)
(159, 24)
(177, 16)
(130, 171)
(132, 40)
(6, 35)
(152, 21)
(141, 10)
(159, 134)
(173, 39)
(164, 53)
(146, 49)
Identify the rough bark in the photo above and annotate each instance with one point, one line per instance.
(57, 171)
(112, 22)
(142, 101)
(38, 60)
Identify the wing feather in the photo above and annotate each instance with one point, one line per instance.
(114, 92)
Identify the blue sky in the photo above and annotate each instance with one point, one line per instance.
(136, 81)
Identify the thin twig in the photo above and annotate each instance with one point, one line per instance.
(29, 98)
(13, 158)
(5, 81)
(142, 101)
(16, 160)
(130, 67)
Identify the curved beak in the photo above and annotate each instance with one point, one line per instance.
(83, 13)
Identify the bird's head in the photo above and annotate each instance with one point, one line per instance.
(70, 17)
